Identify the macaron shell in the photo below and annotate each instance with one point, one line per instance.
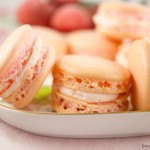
(91, 43)
(110, 33)
(63, 79)
(139, 65)
(8, 50)
(35, 85)
(114, 34)
(52, 38)
(64, 104)
(92, 68)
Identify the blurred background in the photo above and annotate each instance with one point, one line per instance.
(45, 13)
(56, 20)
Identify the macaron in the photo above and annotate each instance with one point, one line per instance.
(35, 12)
(92, 43)
(88, 84)
(53, 39)
(139, 65)
(25, 63)
(121, 20)
(69, 17)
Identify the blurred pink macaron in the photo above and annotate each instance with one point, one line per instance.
(71, 17)
(53, 38)
(91, 43)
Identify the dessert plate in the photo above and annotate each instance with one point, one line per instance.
(42, 121)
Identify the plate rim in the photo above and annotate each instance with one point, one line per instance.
(55, 113)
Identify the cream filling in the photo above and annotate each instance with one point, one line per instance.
(90, 97)
(35, 56)
(113, 22)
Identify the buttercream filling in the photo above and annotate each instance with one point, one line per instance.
(35, 56)
(90, 97)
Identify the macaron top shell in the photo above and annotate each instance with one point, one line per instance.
(139, 65)
(93, 68)
(8, 50)
(84, 38)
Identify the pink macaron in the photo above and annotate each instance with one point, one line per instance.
(25, 63)
(71, 17)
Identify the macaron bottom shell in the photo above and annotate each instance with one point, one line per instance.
(65, 104)
(122, 31)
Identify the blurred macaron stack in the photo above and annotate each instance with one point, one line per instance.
(84, 26)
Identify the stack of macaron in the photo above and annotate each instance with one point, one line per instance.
(82, 83)
(86, 76)
(88, 84)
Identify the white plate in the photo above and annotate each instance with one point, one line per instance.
(80, 125)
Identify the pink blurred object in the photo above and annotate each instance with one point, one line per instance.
(71, 17)
(35, 12)
(66, 1)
